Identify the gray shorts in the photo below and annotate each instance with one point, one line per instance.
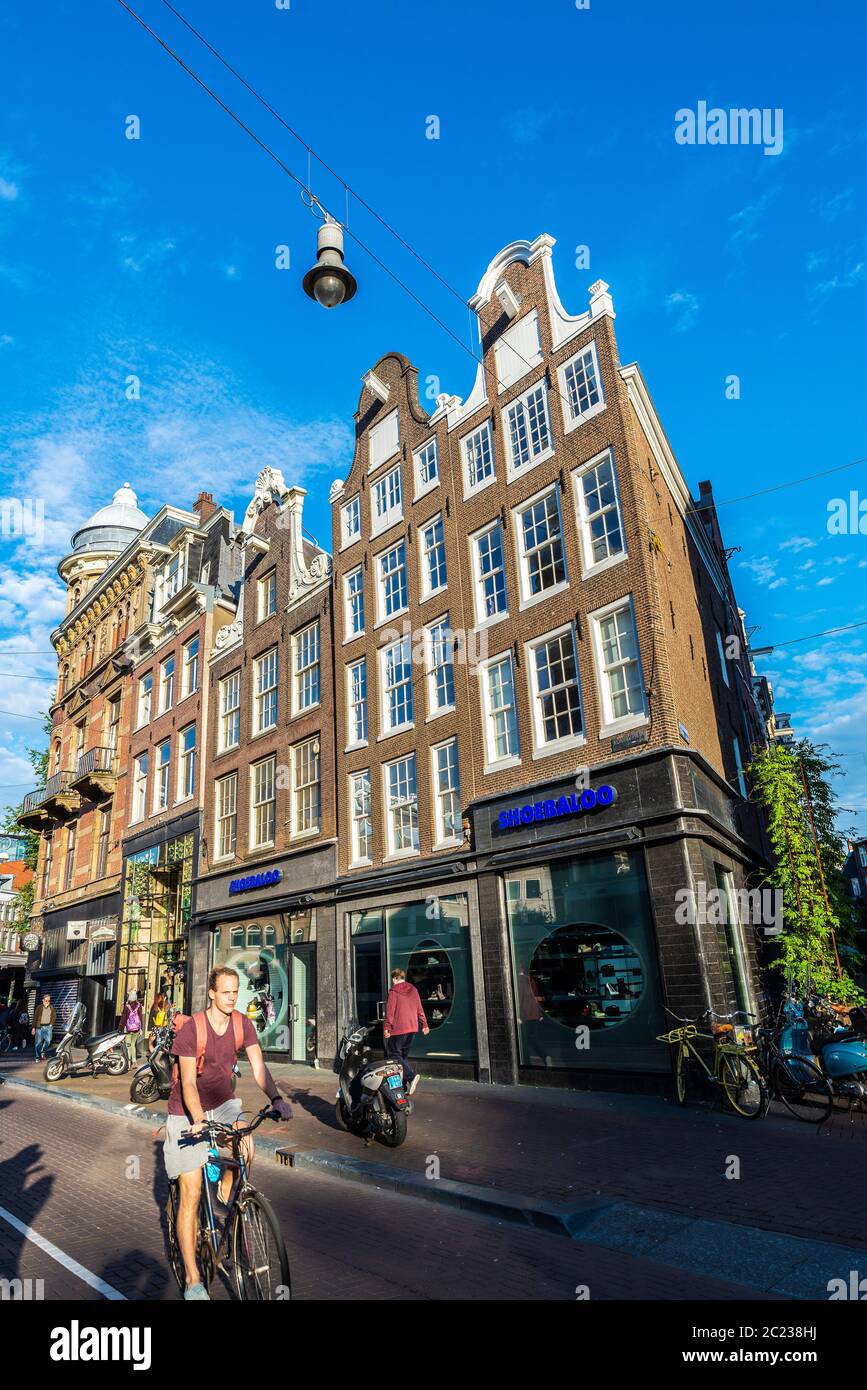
(186, 1158)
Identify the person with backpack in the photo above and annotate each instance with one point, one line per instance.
(131, 1024)
(207, 1046)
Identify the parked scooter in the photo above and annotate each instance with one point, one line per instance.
(261, 1010)
(371, 1097)
(812, 1029)
(153, 1080)
(105, 1053)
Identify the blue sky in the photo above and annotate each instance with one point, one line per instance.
(155, 257)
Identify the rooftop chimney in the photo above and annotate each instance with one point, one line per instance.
(205, 506)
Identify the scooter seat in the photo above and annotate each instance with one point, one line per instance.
(95, 1042)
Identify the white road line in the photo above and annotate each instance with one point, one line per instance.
(62, 1258)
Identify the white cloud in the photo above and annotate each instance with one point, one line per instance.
(797, 544)
(745, 223)
(763, 569)
(822, 583)
(806, 566)
(683, 307)
(8, 190)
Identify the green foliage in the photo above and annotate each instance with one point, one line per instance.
(810, 924)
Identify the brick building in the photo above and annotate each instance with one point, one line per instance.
(265, 891)
(79, 813)
(191, 594)
(527, 594)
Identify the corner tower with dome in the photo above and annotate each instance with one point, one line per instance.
(79, 812)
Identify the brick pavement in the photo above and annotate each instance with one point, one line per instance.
(562, 1146)
(67, 1171)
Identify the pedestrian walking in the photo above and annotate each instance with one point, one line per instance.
(131, 1021)
(157, 1018)
(21, 1025)
(403, 1014)
(44, 1019)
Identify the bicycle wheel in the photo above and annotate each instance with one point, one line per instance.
(681, 1075)
(802, 1088)
(743, 1084)
(204, 1253)
(260, 1264)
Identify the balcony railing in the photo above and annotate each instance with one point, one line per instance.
(96, 760)
(58, 784)
(33, 800)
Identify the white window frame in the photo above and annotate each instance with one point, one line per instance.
(610, 724)
(383, 518)
(269, 801)
(190, 666)
(392, 852)
(356, 857)
(427, 589)
(482, 620)
(162, 777)
(383, 440)
(300, 673)
(422, 486)
(295, 760)
(145, 698)
(570, 421)
(543, 747)
(167, 686)
(187, 763)
(388, 729)
(739, 764)
(352, 705)
(261, 696)
(512, 363)
(350, 512)
(140, 787)
(526, 598)
(589, 566)
(350, 632)
(224, 818)
(442, 839)
(229, 712)
(470, 488)
(380, 560)
(520, 403)
(862, 855)
(434, 710)
(495, 762)
(856, 887)
(266, 590)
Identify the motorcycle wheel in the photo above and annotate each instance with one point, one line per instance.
(117, 1064)
(57, 1068)
(344, 1121)
(144, 1089)
(393, 1131)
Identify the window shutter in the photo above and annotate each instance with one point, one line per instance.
(518, 350)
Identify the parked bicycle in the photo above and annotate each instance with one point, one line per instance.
(248, 1245)
(795, 1080)
(734, 1069)
(5, 1039)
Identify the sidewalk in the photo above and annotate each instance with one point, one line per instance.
(564, 1147)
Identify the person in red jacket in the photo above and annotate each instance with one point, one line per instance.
(403, 1014)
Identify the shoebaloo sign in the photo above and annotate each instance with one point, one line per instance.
(575, 804)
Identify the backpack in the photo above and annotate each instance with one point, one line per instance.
(202, 1034)
(133, 1020)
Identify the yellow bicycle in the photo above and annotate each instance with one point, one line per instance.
(734, 1067)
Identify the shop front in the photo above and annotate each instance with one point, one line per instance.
(273, 922)
(579, 891)
(157, 907)
(434, 939)
(77, 962)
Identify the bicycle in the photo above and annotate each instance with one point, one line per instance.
(804, 1090)
(734, 1069)
(5, 1039)
(249, 1247)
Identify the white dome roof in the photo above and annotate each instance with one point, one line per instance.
(114, 526)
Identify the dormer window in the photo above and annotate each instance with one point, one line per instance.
(384, 439)
(387, 501)
(171, 579)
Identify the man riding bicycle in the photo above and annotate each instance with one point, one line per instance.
(202, 1086)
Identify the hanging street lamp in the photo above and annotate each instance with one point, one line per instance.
(329, 282)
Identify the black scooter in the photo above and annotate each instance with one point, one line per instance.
(106, 1053)
(371, 1098)
(153, 1080)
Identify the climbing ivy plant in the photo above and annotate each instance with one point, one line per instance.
(792, 785)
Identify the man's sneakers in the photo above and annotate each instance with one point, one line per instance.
(413, 1084)
(196, 1291)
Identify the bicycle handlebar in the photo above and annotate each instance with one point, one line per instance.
(217, 1127)
(708, 1014)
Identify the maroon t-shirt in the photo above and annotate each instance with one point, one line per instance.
(215, 1079)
